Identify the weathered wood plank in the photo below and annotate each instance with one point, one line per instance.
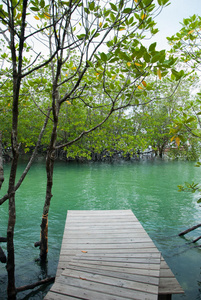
(122, 273)
(66, 282)
(100, 212)
(146, 266)
(88, 259)
(100, 218)
(58, 296)
(113, 281)
(102, 235)
(80, 293)
(104, 231)
(103, 227)
(108, 251)
(106, 240)
(144, 272)
(84, 246)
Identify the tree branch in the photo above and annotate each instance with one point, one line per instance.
(5, 197)
(87, 131)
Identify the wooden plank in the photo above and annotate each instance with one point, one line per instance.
(123, 273)
(102, 235)
(103, 227)
(84, 246)
(80, 293)
(88, 259)
(123, 255)
(58, 296)
(110, 280)
(99, 212)
(88, 286)
(106, 240)
(105, 231)
(145, 266)
(144, 272)
(73, 252)
(100, 218)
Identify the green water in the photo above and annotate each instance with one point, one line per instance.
(148, 188)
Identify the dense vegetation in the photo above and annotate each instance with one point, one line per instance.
(126, 134)
(77, 81)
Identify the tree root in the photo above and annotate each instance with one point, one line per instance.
(3, 239)
(32, 286)
(3, 258)
(189, 230)
(194, 241)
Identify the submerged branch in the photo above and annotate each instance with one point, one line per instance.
(32, 286)
(189, 230)
(194, 241)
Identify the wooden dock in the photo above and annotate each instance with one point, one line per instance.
(107, 255)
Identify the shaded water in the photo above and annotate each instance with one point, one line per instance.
(148, 188)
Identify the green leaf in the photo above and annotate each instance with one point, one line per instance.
(147, 57)
(156, 57)
(112, 17)
(124, 56)
(81, 36)
(91, 5)
(127, 10)
(42, 3)
(34, 8)
(90, 63)
(87, 10)
(103, 56)
(164, 2)
(113, 6)
(189, 120)
(152, 47)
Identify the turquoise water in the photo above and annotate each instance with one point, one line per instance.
(149, 188)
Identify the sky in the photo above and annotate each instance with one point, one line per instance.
(168, 21)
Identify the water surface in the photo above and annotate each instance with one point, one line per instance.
(148, 188)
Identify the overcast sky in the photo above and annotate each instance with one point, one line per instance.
(168, 22)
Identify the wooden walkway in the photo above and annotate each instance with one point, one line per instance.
(107, 255)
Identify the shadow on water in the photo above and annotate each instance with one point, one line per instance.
(149, 189)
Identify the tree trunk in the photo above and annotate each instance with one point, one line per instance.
(11, 290)
(44, 223)
(49, 171)
(1, 162)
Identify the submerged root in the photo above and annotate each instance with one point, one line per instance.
(189, 230)
(32, 286)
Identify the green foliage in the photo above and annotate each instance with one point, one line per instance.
(186, 42)
(116, 77)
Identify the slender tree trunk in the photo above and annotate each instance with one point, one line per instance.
(49, 171)
(1, 162)
(17, 71)
(11, 290)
